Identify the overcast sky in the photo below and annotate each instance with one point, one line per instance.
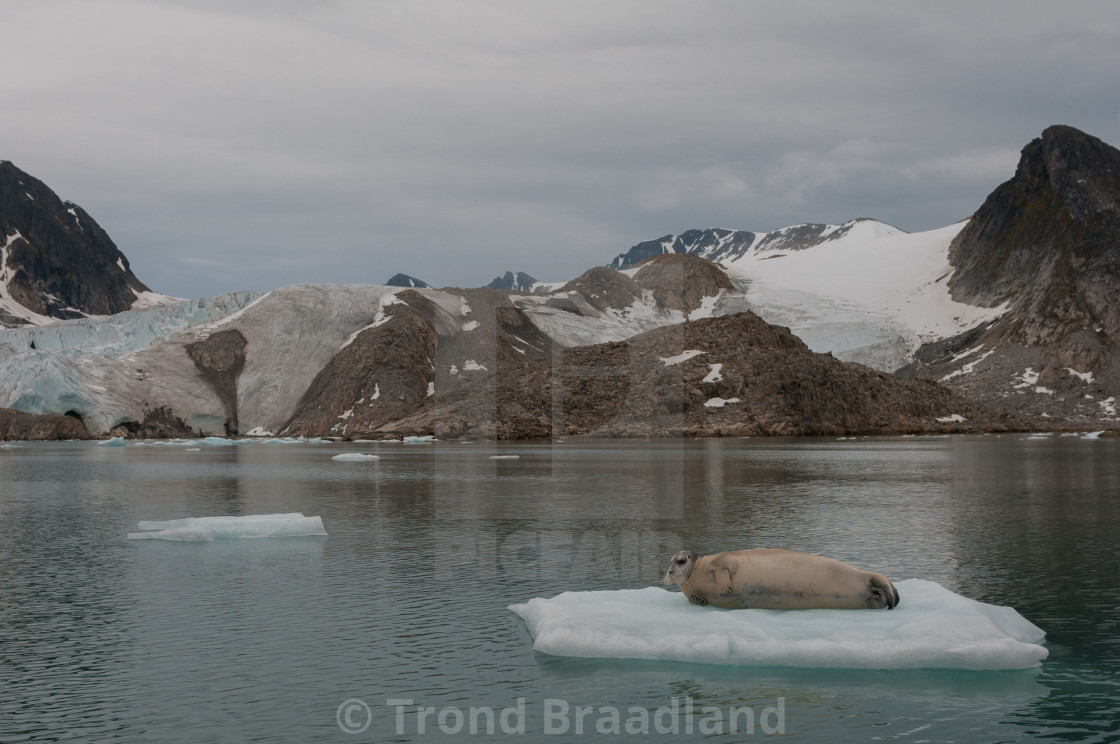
(247, 145)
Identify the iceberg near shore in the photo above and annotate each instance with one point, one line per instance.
(196, 529)
(932, 628)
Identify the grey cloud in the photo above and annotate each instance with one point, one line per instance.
(229, 145)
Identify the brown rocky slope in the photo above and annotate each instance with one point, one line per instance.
(733, 375)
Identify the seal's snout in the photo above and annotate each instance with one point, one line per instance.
(667, 579)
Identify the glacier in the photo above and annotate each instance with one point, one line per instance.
(866, 291)
(932, 628)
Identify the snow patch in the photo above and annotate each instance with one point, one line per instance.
(682, 357)
(956, 418)
(379, 319)
(714, 375)
(719, 402)
(470, 326)
(968, 368)
(472, 366)
(1083, 376)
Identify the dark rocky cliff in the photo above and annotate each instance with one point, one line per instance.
(1047, 245)
(62, 265)
(1048, 241)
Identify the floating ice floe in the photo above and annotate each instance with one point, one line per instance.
(932, 628)
(354, 457)
(212, 528)
(418, 440)
(505, 457)
(113, 442)
(1093, 434)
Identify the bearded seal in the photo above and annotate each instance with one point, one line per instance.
(767, 579)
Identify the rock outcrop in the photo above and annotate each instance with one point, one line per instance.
(17, 425)
(55, 261)
(220, 359)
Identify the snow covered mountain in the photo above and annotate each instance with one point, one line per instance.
(865, 291)
(56, 262)
(1015, 307)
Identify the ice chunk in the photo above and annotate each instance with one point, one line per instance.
(416, 440)
(211, 528)
(932, 628)
(354, 457)
(505, 457)
(114, 442)
(216, 442)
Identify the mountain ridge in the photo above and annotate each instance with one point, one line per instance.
(56, 262)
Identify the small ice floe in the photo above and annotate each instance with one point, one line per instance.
(1093, 434)
(113, 442)
(1040, 435)
(505, 457)
(932, 628)
(215, 442)
(355, 457)
(198, 529)
(418, 440)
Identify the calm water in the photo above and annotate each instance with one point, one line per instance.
(103, 639)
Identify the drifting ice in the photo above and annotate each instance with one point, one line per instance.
(354, 457)
(210, 528)
(932, 628)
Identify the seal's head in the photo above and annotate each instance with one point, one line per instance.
(680, 567)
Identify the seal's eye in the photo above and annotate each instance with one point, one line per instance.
(681, 561)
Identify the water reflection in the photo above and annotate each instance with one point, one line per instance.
(102, 639)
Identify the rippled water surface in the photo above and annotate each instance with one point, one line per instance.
(106, 639)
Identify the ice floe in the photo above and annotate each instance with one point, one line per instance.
(931, 628)
(195, 529)
(355, 457)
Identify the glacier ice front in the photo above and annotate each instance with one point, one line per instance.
(932, 628)
(215, 528)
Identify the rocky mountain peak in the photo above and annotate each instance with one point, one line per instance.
(517, 281)
(1047, 242)
(404, 280)
(55, 260)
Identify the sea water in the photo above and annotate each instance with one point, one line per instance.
(395, 626)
